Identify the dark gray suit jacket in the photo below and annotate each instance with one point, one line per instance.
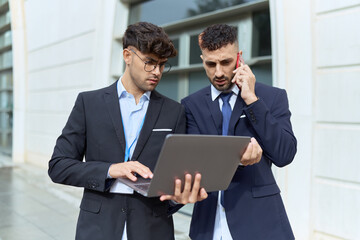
(94, 130)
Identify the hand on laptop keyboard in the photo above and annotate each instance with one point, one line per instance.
(128, 169)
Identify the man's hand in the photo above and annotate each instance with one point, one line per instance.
(128, 169)
(245, 80)
(252, 153)
(190, 194)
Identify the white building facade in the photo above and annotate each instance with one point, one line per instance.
(310, 48)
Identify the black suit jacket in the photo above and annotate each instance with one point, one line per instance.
(94, 130)
(254, 209)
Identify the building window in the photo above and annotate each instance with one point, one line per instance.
(252, 20)
(175, 60)
(169, 86)
(261, 34)
(165, 11)
(195, 51)
(6, 82)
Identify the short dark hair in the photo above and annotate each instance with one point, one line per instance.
(149, 38)
(217, 36)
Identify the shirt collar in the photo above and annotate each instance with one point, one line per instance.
(122, 91)
(215, 93)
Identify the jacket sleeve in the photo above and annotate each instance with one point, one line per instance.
(66, 165)
(273, 128)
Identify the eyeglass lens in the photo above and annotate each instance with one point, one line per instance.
(164, 67)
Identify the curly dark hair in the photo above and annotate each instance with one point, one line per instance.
(149, 38)
(217, 36)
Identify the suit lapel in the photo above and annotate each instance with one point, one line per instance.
(236, 113)
(151, 117)
(113, 106)
(215, 111)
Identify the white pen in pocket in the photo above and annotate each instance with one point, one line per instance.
(162, 130)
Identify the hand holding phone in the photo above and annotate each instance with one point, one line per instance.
(245, 80)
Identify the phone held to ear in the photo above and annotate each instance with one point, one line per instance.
(239, 59)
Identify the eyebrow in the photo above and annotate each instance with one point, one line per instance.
(153, 60)
(209, 62)
(227, 60)
(221, 61)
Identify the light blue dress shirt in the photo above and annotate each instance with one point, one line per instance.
(133, 116)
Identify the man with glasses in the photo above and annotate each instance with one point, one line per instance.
(120, 130)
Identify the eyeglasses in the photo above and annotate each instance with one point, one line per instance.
(151, 65)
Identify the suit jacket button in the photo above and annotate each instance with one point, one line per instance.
(123, 210)
(93, 184)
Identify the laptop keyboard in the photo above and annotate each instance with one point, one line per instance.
(143, 186)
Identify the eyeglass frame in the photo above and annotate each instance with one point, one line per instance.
(155, 66)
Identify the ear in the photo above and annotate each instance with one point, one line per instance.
(127, 56)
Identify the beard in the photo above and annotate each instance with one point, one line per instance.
(222, 83)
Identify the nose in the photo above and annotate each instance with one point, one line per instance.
(157, 70)
(218, 71)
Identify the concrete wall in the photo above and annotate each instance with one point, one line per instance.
(68, 51)
(317, 59)
(292, 64)
(336, 178)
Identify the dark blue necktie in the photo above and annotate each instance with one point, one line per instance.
(226, 112)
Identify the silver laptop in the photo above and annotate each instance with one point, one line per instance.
(215, 157)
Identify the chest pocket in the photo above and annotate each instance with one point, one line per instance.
(267, 190)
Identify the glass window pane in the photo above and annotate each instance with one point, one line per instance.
(263, 73)
(7, 38)
(197, 81)
(5, 120)
(6, 100)
(5, 141)
(175, 60)
(6, 59)
(195, 51)
(6, 80)
(169, 86)
(165, 11)
(261, 34)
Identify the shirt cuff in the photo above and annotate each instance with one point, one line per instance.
(108, 174)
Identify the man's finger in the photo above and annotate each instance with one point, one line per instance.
(257, 151)
(247, 69)
(131, 176)
(203, 194)
(140, 169)
(166, 197)
(246, 155)
(195, 189)
(177, 192)
(187, 187)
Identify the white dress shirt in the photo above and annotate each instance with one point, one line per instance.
(221, 228)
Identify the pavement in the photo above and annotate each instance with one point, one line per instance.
(34, 208)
